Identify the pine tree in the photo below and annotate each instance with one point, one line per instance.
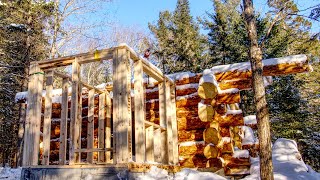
(22, 41)
(180, 45)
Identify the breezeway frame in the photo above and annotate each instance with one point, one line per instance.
(153, 142)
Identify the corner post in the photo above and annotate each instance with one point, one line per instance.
(33, 120)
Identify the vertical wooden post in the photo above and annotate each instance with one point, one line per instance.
(108, 130)
(163, 117)
(157, 148)
(47, 118)
(149, 144)
(174, 126)
(63, 122)
(121, 105)
(168, 109)
(33, 120)
(140, 145)
(75, 112)
(90, 127)
(101, 126)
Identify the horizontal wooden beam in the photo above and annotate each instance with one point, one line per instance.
(93, 150)
(155, 126)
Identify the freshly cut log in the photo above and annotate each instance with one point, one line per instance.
(232, 161)
(183, 113)
(240, 84)
(215, 125)
(189, 80)
(224, 131)
(211, 135)
(193, 135)
(221, 109)
(214, 162)
(211, 151)
(207, 90)
(190, 123)
(229, 98)
(205, 112)
(183, 92)
(191, 148)
(197, 161)
(193, 100)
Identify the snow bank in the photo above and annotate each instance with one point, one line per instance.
(190, 174)
(287, 163)
(251, 119)
(248, 137)
(240, 153)
(9, 173)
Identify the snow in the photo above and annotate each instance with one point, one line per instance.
(248, 137)
(190, 174)
(10, 173)
(228, 91)
(208, 77)
(189, 96)
(226, 139)
(152, 90)
(191, 143)
(246, 66)
(251, 119)
(187, 86)
(234, 112)
(287, 163)
(240, 153)
(181, 75)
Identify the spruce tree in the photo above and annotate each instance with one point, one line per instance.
(180, 45)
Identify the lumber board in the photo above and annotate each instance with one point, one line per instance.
(168, 109)
(90, 130)
(33, 119)
(121, 113)
(108, 129)
(149, 144)
(139, 112)
(101, 126)
(174, 126)
(157, 145)
(47, 118)
(63, 122)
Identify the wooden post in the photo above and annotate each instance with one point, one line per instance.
(140, 145)
(47, 118)
(149, 144)
(90, 128)
(162, 113)
(33, 120)
(121, 105)
(101, 126)
(75, 112)
(168, 109)
(174, 126)
(108, 130)
(63, 122)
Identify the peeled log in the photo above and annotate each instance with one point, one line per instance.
(207, 90)
(211, 151)
(183, 92)
(229, 120)
(205, 112)
(221, 108)
(192, 149)
(184, 113)
(190, 123)
(211, 135)
(197, 161)
(193, 135)
(189, 80)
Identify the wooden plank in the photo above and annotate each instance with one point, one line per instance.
(91, 87)
(157, 146)
(91, 150)
(33, 119)
(78, 128)
(149, 144)
(174, 126)
(90, 130)
(121, 111)
(62, 75)
(47, 118)
(139, 112)
(108, 129)
(163, 136)
(74, 124)
(129, 108)
(155, 126)
(97, 55)
(168, 109)
(101, 126)
(63, 122)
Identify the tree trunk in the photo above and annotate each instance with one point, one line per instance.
(266, 167)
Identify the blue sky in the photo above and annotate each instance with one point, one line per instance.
(140, 12)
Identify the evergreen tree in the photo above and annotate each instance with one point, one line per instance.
(179, 42)
(22, 41)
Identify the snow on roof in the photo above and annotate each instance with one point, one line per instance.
(208, 77)
(284, 168)
(251, 119)
(246, 66)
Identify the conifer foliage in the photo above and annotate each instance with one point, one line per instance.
(180, 45)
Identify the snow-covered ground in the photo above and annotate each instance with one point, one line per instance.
(287, 164)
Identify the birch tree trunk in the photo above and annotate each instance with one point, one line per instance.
(266, 167)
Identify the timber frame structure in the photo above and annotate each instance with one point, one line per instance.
(153, 142)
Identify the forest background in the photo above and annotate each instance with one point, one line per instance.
(33, 30)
